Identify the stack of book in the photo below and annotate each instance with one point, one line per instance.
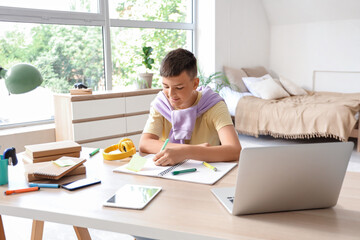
(51, 151)
(40, 156)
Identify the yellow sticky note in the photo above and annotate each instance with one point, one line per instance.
(64, 162)
(136, 163)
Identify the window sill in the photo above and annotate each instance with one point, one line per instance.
(27, 129)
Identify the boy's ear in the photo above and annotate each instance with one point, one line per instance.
(196, 83)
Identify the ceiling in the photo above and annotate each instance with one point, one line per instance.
(281, 12)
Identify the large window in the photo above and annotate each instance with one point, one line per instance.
(96, 42)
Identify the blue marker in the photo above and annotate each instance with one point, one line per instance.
(44, 185)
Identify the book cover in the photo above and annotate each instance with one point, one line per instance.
(53, 171)
(28, 159)
(30, 168)
(52, 148)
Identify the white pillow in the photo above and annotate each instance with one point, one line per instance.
(249, 80)
(268, 89)
(231, 98)
(291, 87)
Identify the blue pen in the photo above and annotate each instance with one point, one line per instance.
(44, 185)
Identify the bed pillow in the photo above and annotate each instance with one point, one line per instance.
(231, 98)
(248, 80)
(255, 71)
(268, 89)
(291, 87)
(235, 77)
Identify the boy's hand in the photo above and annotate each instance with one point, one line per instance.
(168, 156)
(173, 155)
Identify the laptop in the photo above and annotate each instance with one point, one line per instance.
(285, 178)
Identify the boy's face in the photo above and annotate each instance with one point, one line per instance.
(179, 90)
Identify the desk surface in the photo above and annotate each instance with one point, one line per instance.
(181, 211)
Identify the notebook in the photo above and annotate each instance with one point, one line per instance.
(203, 175)
(52, 148)
(28, 159)
(53, 171)
(30, 168)
(285, 178)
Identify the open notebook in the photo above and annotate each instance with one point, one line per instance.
(202, 175)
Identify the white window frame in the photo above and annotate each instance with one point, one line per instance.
(25, 15)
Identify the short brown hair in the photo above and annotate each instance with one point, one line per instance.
(177, 61)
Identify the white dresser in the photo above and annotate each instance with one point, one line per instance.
(102, 118)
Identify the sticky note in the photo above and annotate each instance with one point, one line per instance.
(64, 162)
(136, 163)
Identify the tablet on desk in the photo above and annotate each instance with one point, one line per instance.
(132, 196)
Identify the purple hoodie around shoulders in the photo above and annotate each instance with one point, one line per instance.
(183, 120)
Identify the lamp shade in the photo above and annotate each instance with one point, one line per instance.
(21, 78)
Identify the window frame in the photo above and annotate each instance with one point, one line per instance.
(102, 18)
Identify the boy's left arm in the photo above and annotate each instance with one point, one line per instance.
(229, 150)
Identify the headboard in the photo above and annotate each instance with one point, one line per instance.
(336, 81)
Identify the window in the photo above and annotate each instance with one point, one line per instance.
(96, 42)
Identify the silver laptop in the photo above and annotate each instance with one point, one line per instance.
(284, 178)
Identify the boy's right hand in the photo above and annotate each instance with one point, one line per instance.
(168, 157)
(174, 155)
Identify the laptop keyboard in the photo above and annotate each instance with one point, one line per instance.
(231, 199)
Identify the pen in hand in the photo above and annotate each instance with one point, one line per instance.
(162, 148)
(165, 143)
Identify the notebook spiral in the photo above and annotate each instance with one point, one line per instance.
(171, 168)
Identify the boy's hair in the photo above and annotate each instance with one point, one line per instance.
(177, 61)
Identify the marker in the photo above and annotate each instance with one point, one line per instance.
(165, 143)
(184, 171)
(209, 166)
(94, 152)
(44, 185)
(30, 189)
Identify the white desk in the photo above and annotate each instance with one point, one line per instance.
(181, 211)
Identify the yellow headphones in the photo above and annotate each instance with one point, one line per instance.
(126, 147)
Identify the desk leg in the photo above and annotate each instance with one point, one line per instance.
(2, 232)
(82, 233)
(37, 230)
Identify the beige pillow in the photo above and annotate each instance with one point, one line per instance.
(291, 87)
(268, 89)
(255, 71)
(235, 77)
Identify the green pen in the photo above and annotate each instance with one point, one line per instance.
(184, 171)
(94, 152)
(165, 143)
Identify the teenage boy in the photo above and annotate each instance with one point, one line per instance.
(195, 120)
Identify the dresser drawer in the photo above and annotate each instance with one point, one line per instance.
(139, 103)
(98, 108)
(101, 128)
(108, 142)
(136, 123)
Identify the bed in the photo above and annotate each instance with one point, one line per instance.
(311, 114)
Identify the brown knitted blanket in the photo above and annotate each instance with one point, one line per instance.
(318, 114)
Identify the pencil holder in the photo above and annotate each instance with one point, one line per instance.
(4, 163)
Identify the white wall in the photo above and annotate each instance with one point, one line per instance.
(234, 33)
(311, 35)
(296, 50)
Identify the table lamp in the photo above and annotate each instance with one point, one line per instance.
(21, 78)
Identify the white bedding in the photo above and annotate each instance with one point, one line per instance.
(231, 98)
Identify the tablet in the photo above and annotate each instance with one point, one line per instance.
(132, 196)
(81, 183)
